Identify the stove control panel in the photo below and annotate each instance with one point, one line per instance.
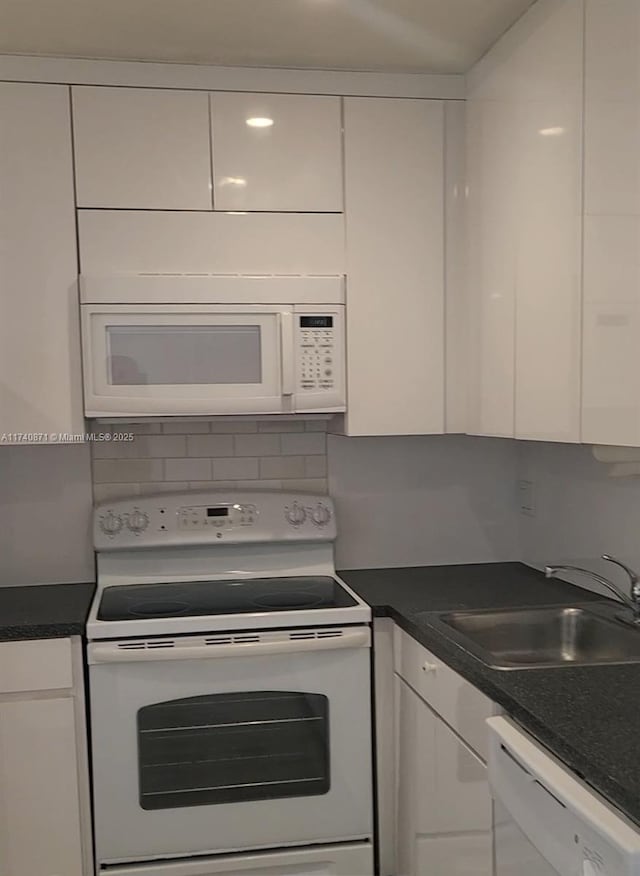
(217, 517)
(177, 519)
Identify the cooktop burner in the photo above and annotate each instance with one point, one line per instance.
(195, 598)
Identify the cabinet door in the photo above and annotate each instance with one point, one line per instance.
(39, 808)
(277, 152)
(611, 377)
(443, 809)
(525, 187)
(142, 148)
(40, 388)
(394, 189)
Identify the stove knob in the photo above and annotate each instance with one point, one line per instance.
(296, 515)
(111, 523)
(138, 521)
(321, 515)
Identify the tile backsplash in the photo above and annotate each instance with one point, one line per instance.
(217, 454)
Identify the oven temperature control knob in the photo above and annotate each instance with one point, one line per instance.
(111, 523)
(321, 515)
(138, 521)
(296, 515)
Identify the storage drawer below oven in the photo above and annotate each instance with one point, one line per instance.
(337, 860)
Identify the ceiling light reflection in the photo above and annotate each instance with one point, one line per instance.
(260, 122)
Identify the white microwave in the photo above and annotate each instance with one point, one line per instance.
(189, 345)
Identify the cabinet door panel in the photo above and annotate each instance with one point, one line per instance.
(611, 322)
(460, 704)
(40, 388)
(39, 808)
(394, 189)
(279, 152)
(142, 148)
(525, 205)
(444, 810)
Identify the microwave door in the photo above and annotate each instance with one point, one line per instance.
(182, 360)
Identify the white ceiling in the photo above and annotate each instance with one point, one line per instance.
(436, 36)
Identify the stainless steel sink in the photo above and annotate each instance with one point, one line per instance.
(538, 637)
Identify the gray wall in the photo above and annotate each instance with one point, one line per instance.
(580, 511)
(423, 500)
(45, 503)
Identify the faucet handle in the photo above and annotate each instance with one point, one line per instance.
(634, 580)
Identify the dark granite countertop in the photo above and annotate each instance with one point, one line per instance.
(588, 716)
(44, 611)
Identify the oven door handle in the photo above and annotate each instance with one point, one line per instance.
(174, 649)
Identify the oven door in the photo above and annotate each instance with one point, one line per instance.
(225, 744)
(187, 359)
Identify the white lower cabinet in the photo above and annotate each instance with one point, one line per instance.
(44, 799)
(443, 809)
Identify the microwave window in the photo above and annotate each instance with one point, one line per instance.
(167, 355)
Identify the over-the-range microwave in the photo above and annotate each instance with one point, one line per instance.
(197, 345)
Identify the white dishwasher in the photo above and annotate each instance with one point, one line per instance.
(547, 821)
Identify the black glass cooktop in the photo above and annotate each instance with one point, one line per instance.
(194, 598)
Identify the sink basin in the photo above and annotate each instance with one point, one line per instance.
(538, 637)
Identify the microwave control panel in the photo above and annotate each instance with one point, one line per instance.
(316, 336)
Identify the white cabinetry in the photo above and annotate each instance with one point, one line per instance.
(611, 377)
(443, 803)
(142, 148)
(40, 386)
(44, 828)
(525, 188)
(394, 204)
(276, 152)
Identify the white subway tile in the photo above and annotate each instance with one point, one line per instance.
(235, 469)
(187, 469)
(307, 443)
(136, 449)
(316, 425)
(122, 471)
(210, 445)
(281, 426)
(315, 466)
(185, 427)
(283, 467)
(167, 445)
(234, 427)
(164, 487)
(104, 492)
(136, 428)
(262, 485)
(213, 485)
(308, 485)
(257, 445)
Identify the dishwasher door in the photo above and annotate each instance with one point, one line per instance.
(547, 821)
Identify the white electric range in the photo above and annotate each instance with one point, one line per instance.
(229, 675)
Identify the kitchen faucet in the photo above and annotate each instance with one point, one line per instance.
(632, 602)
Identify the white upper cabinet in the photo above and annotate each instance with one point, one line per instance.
(40, 386)
(394, 197)
(277, 152)
(525, 228)
(611, 376)
(142, 148)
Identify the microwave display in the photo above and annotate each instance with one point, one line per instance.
(316, 322)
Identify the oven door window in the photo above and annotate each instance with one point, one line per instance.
(229, 748)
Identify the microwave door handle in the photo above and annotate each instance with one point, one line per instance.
(287, 352)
